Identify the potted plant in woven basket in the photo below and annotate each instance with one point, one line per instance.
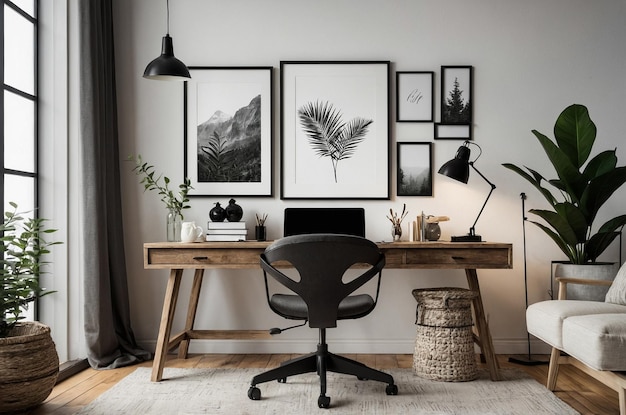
(29, 364)
(582, 187)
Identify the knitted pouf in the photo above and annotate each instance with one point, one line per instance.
(444, 344)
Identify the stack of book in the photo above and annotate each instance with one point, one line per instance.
(226, 231)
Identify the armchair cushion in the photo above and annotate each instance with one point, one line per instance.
(599, 341)
(617, 291)
(545, 319)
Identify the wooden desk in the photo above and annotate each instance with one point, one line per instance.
(177, 256)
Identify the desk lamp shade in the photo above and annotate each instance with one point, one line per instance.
(166, 67)
(458, 169)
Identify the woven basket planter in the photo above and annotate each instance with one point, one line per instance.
(29, 366)
(444, 344)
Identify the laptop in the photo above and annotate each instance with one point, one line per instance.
(348, 221)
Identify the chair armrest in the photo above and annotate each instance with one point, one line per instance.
(563, 281)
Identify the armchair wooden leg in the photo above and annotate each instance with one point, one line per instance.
(622, 401)
(553, 369)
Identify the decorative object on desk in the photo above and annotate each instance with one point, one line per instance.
(217, 214)
(166, 67)
(226, 231)
(259, 229)
(234, 212)
(582, 193)
(432, 230)
(29, 364)
(458, 169)
(174, 203)
(190, 232)
(324, 104)
(228, 130)
(396, 223)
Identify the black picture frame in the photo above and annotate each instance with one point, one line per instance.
(229, 116)
(415, 101)
(457, 95)
(355, 95)
(414, 168)
(453, 131)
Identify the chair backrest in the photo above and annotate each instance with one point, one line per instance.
(321, 261)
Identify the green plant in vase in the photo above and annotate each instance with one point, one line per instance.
(175, 203)
(23, 246)
(583, 186)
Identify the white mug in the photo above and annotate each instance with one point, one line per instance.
(190, 232)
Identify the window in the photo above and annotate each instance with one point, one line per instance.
(19, 104)
(19, 107)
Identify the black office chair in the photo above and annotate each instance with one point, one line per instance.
(322, 298)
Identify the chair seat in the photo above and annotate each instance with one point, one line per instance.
(598, 340)
(294, 307)
(545, 319)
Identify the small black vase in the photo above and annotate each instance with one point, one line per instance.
(234, 212)
(217, 214)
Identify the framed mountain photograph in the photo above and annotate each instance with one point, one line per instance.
(335, 129)
(228, 131)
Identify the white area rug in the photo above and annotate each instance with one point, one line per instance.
(224, 391)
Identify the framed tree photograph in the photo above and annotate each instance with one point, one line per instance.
(456, 95)
(415, 169)
(414, 96)
(334, 129)
(228, 131)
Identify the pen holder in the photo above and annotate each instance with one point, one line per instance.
(259, 233)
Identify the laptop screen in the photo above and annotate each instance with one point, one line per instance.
(349, 221)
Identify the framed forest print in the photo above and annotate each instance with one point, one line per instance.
(228, 131)
(456, 95)
(414, 96)
(334, 129)
(415, 169)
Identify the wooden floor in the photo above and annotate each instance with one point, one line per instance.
(580, 391)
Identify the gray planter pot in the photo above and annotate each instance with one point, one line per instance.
(592, 271)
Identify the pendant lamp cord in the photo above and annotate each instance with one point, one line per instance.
(168, 16)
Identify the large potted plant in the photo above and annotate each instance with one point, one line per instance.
(29, 364)
(581, 188)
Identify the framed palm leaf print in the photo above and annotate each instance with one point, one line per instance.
(228, 131)
(334, 129)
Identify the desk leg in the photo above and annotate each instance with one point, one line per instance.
(486, 343)
(191, 311)
(165, 328)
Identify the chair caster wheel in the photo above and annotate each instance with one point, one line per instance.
(282, 380)
(323, 401)
(254, 393)
(392, 389)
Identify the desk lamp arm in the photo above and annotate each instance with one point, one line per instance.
(493, 186)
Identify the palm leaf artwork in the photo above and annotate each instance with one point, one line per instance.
(328, 134)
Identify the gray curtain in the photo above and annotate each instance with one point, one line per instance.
(110, 339)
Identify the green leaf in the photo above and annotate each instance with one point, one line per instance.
(575, 134)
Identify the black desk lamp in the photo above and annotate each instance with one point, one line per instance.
(458, 169)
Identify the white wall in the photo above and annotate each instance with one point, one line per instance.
(531, 59)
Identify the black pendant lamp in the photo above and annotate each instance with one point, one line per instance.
(166, 67)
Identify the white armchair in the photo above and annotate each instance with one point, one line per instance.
(592, 334)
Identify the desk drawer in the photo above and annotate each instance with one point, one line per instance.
(202, 258)
(460, 257)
